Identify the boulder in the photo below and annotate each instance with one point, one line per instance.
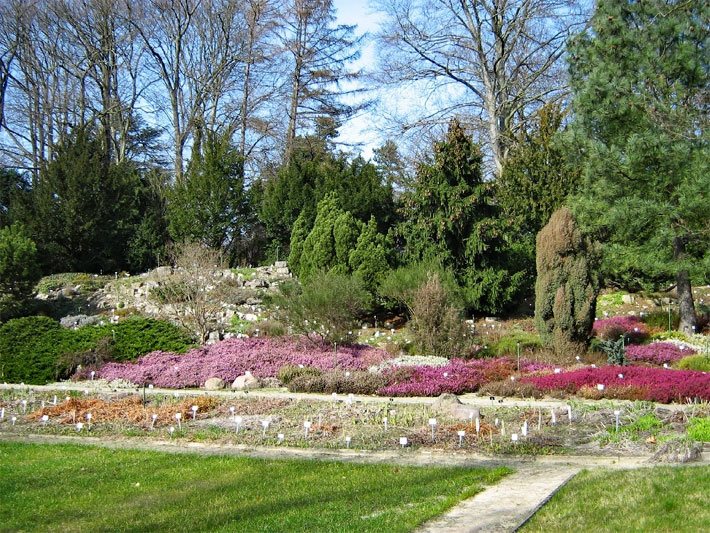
(281, 264)
(214, 384)
(246, 382)
(162, 271)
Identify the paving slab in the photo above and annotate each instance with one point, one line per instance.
(505, 506)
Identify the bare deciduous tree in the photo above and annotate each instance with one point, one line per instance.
(492, 62)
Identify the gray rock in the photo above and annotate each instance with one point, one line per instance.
(257, 284)
(78, 321)
(281, 264)
(678, 451)
(213, 337)
(214, 384)
(627, 299)
(163, 271)
(246, 382)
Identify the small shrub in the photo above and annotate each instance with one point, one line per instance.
(699, 429)
(327, 305)
(288, 373)
(437, 325)
(630, 327)
(509, 388)
(266, 328)
(658, 320)
(79, 365)
(669, 335)
(614, 350)
(695, 362)
(508, 344)
(358, 382)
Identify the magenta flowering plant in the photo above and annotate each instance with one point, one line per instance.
(227, 359)
(657, 353)
(656, 384)
(612, 328)
(456, 377)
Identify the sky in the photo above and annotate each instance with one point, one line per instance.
(359, 129)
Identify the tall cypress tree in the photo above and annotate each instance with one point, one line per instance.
(640, 77)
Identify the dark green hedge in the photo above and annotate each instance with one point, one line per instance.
(34, 349)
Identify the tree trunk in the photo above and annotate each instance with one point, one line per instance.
(686, 306)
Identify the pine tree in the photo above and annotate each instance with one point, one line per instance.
(449, 215)
(640, 77)
(369, 260)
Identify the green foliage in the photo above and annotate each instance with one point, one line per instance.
(450, 215)
(84, 208)
(566, 287)
(327, 304)
(209, 205)
(86, 282)
(38, 350)
(298, 237)
(14, 192)
(437, 324)
(31, 347)
(19, 267)
(370, 259)
(288, 373)
(319, 247)
(510, 343)
(699, 429)
(698, 362)
(647, 423)
(659, 320)
(401, 284)
(313, 172)
(639, 75)
(614, 350)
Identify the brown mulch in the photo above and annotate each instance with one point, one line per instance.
(129, 409)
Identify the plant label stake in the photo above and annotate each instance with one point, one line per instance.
(264, 427)
(524, 429)
(478, 425)
(348, 438)
(194, 411)
(384, 421)
(569, 413)
(600, 386)
(79, 426)
(280, 437)
(461, 435)
(24, 406)
(514, 438)
(495, 422)
(335, 396)
(617, 414)
(470, 417)
(2, 414)
(403, 441)
(432, 423)
(502, 427)
(54, 400)
(231, 410)
(306, 427)
(554, 417)
(171, 430)
(42, 404)
(45, 419)
(238, 421)
(88, 421)
(178, 417)
(152, 421)
(320, 419)
(351, 398)
(558, 370)
(93, 373)
(13, 420)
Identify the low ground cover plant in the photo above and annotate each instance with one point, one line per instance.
(630, 327)
(263, 357)
(657, 353)
(637, 383)
(699, 429)
(695, 362)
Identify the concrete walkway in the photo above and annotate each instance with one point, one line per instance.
(506, 505)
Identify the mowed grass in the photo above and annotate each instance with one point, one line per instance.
(643, 500)
(85, 488)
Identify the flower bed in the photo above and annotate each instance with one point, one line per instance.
(631, 327)
(456, 377)
(657, 353)
(652, 384)
(263, 357)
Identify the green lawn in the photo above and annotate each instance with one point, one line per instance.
(83, 488)
(658, 499)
